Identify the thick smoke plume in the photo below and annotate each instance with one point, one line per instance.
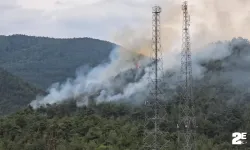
(211, 20)
(120, 79)
(102, 83)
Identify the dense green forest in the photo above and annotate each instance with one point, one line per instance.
(115, 126)
(15, 93)
(43, 61)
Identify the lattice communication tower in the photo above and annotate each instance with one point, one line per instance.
(187, 122)
(155, 115)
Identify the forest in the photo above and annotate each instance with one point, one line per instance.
(116, 126)
(15, 93)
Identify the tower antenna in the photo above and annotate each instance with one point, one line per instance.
(187, 122)
(155, 106)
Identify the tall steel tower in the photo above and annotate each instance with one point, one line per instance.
(155, 115)
(187, 122)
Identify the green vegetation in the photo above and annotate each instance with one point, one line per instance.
(116, 126)
(15, 93)
(43, 61)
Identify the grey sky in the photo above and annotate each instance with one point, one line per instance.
(72, 18)
(103, 19)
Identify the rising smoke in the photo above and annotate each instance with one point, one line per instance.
(121, 80)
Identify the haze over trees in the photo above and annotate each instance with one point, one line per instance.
(43, 61)
(15, 93)
(31, 64)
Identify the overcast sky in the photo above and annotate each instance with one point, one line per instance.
(73, 18)
(103, 19)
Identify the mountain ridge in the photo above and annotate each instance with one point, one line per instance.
(43, 60)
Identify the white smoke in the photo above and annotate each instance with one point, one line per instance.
(100, 82)
(97, 79)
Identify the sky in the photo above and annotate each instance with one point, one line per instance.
(73, 18)
(123, 19)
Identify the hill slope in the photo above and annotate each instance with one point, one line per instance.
(221, 107)
(15, 93)
(43, 61)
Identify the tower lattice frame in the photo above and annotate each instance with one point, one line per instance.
(187, 121)
(155, 116)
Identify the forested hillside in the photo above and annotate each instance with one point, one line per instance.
(43, 61)
(15, 93)
(221, 94)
